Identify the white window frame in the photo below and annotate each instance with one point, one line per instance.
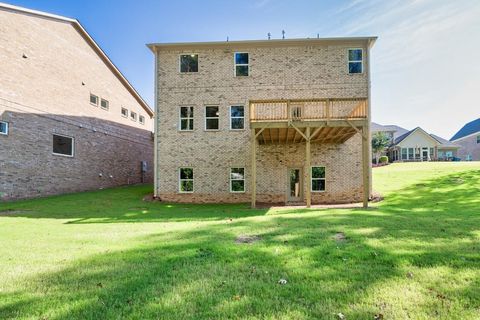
(108, 104)
(6, 126)
(73, 146)
(230, 114)
(180, 62)
(207, 118)
(478, 139)
(231, 180)
(141, 119)
(124, 115)
(97, 98)
(180, 180)
(180, 118)
(235, 64)
(134, 118)
(348, 60)
(312, 178)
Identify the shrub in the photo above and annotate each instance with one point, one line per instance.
(383, 159)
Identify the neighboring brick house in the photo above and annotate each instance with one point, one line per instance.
(273, 121)
(468, 138)
(69, 120)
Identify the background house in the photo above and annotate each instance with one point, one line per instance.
(468, 138)
(278, 121)
(69, 120)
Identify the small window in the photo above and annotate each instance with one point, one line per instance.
(241, 64)
(93, 99)
(186, 180)
(478, 139)
(3, 127)
(141, 119)
(189, 63)
(104, 104)
(318, 179)
(355, 60)
(133, 116)
(237, 180)
(411, 154)
(62, 145)
(237, 118)
(211, 118)
(404, 154)
(124, 112)
(186, 118)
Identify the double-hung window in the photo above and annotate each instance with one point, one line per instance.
(93, 99)
(3, 127)
(212, 118)
(186, 118)
(355, 60)
(237, 180)
(185, 180)
(241, 64)
(124, 112)
(133, 116)
(188, 63)
(104, 104)
(318, 179)
(237, 118)
(141, 119)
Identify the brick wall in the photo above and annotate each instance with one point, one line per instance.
(469, 146)
(285, 72)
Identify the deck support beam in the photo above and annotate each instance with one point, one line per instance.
(365, 166)
(308, 167)
(253, 179)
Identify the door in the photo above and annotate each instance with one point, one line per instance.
(425, 154)
(295, 184)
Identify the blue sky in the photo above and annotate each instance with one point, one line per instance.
(425, 67)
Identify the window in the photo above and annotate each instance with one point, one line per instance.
(124, 112)
(62, 145)
(141, 119)
(93, 99)
(318, 179)
(355, 60)
(237, 180)
(189, 63)
(4, 127)
(478, 139)
(241, 64)
(133, 116)
(186, 118)
(404, 153)
(104, 104)
(186, 180)
(211, 118)
(237, 118)
(410, 154)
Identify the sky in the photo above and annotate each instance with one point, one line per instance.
(425, 64)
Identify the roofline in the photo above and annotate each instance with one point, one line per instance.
(467, 136)
(259, 43)
(83, 32)
(408, 134)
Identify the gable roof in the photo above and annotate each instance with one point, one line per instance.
(407, 134)
(468, 129)
(444, 142)
(397, 130)
(81, 30)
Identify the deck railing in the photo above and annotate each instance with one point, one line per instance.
(308, 110)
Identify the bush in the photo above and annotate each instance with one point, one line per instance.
(383, 159)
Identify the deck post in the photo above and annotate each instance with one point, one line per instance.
(366, 166)
(308, 168)
(253, 147)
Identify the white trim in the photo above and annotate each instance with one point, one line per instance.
(312, 178)
(180, 62)
(230, 116)
(231, 180)
(73, 146)
(206, 118)
(240, 64)
(353, 61)
(6, 126)
(179, 128)
(180, 180)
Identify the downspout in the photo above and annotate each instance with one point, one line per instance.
(369, 45)
(155, 128)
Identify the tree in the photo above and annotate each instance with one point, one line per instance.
(380, 141)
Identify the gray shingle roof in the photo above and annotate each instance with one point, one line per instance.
(468, 129)
(397, 131)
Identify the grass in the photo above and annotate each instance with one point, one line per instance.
(109, 255)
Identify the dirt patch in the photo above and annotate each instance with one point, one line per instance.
(247, 239)
(340, 237)
(457, 181)
(376, 197)
(11, 212)
(149, 197)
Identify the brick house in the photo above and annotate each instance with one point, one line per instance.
(468, 138)
(268, 121)
(69, 120)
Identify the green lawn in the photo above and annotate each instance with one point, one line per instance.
(109, 255)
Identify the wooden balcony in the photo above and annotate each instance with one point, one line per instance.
(285, 121)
